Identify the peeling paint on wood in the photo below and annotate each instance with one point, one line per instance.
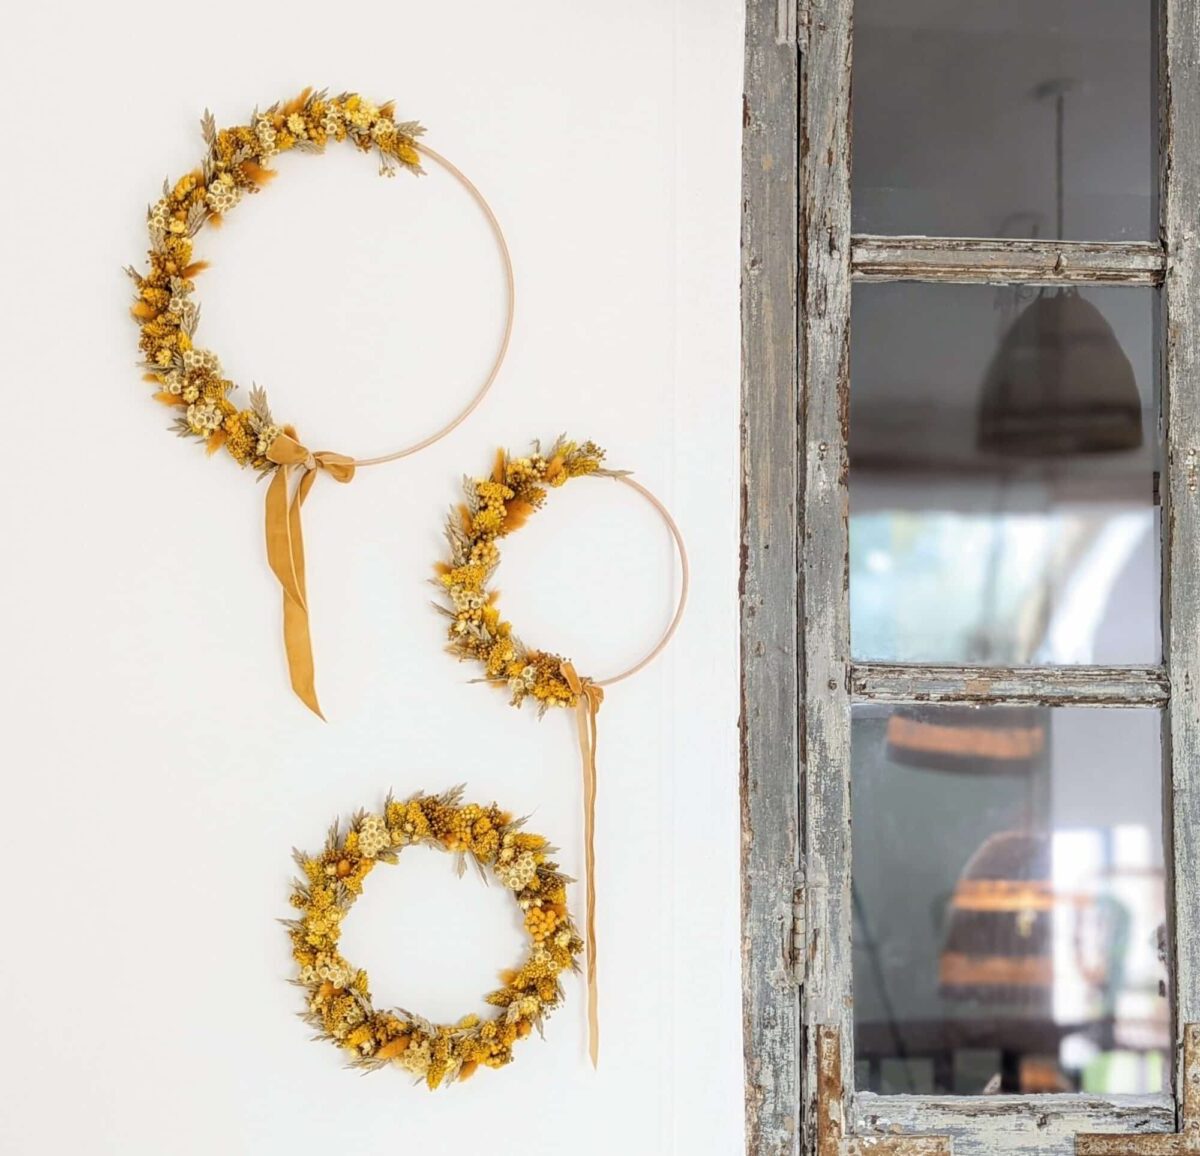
(1133, 686)
(1185, 1142)
(830, 1108)
(769, 715)
(1003, 261)
(833, 1136)
(1180, 153)
(898, 1146)
(824, 291)
(1012, 1124)
(1151, 1145)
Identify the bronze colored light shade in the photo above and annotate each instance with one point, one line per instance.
(998, 946)
(1060, 385)
(968, 740)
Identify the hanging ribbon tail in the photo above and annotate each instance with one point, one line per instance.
(280, 549)
(285, 552)
(588, 698)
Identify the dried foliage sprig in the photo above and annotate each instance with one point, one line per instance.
(495, 506)
(337, 995)
(187, 377)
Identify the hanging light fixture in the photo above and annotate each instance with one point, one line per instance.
(1059, 383)
(968, 740)
(999, 937)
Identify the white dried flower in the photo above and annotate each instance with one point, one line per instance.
(200, 359)
(159, 216)
(204, 417)
(373, 836)
(266, 435)
(222, 195)
(415, 1058)
(519, 873)
(332, 120)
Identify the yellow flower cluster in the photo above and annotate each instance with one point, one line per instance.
(338, 996)
(189, 378)
(496, 506)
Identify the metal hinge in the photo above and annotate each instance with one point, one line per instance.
(799, 927)
(803, 22)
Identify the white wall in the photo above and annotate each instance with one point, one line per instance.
(157, 769)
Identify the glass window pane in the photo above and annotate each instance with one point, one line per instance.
(956, 118)
(1004, 456)
(1009, 900)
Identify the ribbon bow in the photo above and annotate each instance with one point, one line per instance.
(285, 549)
(588, 697)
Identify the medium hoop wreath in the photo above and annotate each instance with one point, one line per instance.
(495, 506)
(338, 996)
(189, 378)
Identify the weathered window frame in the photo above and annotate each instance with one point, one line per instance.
(798, 262)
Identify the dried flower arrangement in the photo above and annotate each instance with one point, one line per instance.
(496, 506)
(338, 995)
(189, 378)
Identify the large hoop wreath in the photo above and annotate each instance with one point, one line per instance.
(190, 380)
(338, 995)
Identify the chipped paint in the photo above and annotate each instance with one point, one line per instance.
(769, 744)
(1003, 261)
(1046, 686)
(833, 1135)
(1185, 1142)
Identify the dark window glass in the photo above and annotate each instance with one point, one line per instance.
(956, 118)
(1005, 446)
(1009, 900)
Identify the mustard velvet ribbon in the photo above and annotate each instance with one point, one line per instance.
(285, 549)
(588, 697)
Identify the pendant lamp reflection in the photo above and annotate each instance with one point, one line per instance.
(968, 740)
(1059, 383)
(998, 946)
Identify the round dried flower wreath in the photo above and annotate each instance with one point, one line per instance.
(338, 995)
(189, 378)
